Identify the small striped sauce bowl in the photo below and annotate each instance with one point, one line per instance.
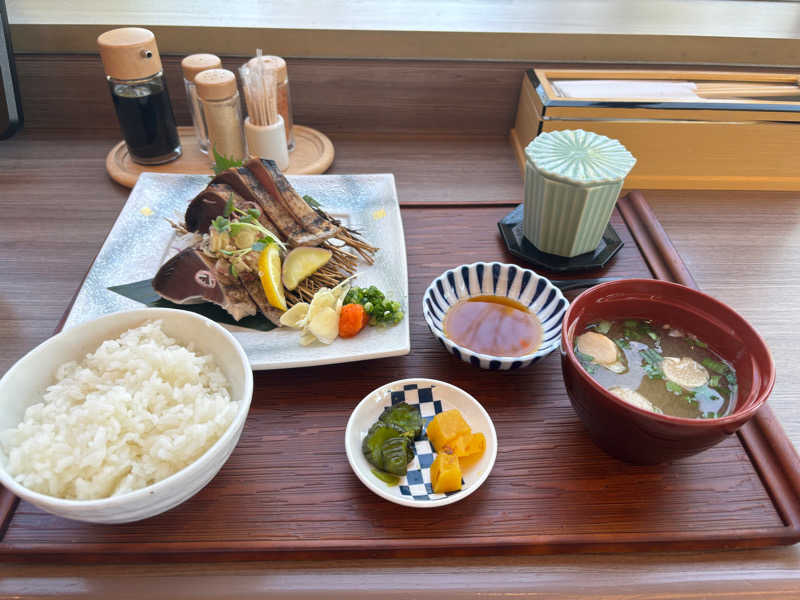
(538, 293)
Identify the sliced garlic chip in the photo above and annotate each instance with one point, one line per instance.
(685, 371)
(320, 319)
(344, 287)
(324, 298)
(295, 316)
(325, 325)
(634, 398)
(307, 338)
(600, 347)
(340, 302)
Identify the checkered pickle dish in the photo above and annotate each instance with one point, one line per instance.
(496, 279)
(432, 397)
(417, 482)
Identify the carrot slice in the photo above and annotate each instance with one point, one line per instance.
(352, 319)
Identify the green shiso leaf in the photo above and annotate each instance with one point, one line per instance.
(311, 202)
(143, 292)
(222, 163)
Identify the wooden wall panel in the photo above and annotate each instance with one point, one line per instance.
(382, 96)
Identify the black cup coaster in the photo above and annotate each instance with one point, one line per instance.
(511, 230)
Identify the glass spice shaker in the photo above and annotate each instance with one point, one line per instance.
(191, 66)
(139, 91)
(278, 65)
(222, 109)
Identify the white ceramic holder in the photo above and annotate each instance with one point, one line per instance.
(268, 141)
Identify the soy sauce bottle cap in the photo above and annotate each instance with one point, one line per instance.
(129, 53)
(215, 84)
(197, 63)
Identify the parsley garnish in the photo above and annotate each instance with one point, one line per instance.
(221, 224)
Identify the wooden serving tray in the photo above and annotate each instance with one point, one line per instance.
(287, 491)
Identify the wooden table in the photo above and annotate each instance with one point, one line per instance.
(741, 247)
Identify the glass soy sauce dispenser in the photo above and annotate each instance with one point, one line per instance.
(139, 91)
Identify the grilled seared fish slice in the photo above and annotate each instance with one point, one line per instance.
(252, 283)
(210, 204)
(244, 183)
(270, 177)
(190, 276)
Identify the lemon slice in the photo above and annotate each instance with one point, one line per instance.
(269, 270)
(302, 262)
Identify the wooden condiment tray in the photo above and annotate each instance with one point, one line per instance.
(287, 491)
(313, 154)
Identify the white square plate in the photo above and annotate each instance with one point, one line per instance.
(142, 240)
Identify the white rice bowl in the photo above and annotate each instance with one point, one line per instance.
(114, 421)
(134, 412)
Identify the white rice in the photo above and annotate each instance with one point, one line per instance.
(137, 410)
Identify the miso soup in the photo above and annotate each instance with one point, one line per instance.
(658, 367)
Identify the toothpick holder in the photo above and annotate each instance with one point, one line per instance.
(268, 141)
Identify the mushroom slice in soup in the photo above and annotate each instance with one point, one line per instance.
(635, 398)
(602, 350)
(685, 371)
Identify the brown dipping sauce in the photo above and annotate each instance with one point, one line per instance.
(493, 325)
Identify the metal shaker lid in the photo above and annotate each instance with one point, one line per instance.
(197, 63)
(215, 84)
(129, 53)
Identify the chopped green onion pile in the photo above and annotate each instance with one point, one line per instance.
(381, 311)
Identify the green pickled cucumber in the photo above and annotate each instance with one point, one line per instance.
(387, 447)
(396, 455)
(387, 478)
(405, 416)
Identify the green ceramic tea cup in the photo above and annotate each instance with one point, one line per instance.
(572, 180)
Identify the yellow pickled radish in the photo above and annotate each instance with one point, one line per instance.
(269, 270)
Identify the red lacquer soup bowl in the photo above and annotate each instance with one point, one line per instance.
(640, 436)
